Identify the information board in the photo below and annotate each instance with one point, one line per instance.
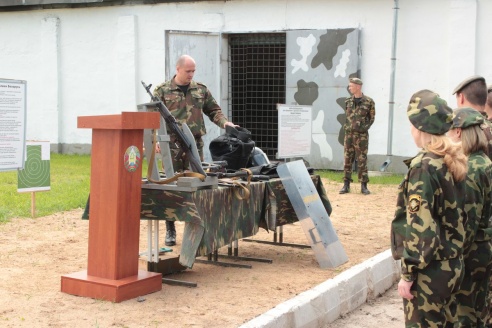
(294, 131)
(12, 124)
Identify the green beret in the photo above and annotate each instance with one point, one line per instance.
(467, 81)
(429, 113)
(355, 80)
(465, 117)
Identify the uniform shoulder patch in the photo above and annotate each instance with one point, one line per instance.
(414, 203)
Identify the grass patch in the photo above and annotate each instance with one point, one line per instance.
(70, 186)
(69, 182)
(69, 175)
(387, 179)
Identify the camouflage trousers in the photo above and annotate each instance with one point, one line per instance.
(433, 304)
(180, 162)
(355, 144)
(472, 296)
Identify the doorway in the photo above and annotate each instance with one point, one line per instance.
(257, 83)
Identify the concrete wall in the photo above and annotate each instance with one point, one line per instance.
(89, 61)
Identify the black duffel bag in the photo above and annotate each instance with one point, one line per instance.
(235, 147)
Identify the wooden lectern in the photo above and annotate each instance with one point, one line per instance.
(115, 194)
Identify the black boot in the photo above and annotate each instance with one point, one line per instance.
(170, 234)
(363, 188)
(346, 187)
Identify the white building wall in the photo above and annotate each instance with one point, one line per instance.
(89, 61)
(483, 48)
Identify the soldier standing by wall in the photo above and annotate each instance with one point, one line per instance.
(187, 101)
(360, 112)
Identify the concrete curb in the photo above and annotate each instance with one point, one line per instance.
(333, 298)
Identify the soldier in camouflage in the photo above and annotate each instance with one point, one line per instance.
(360, 113)
(187, 101)
(471, 299)
(427, 232)
(473, 92)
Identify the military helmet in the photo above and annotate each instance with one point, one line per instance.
(429, 113)
(465, 117)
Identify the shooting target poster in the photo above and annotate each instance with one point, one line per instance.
(12, 124)
(36, 173)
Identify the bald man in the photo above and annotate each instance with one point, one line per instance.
(187, 101)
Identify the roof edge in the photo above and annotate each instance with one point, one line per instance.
(24, 5)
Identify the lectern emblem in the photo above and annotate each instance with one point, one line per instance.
(132, 158)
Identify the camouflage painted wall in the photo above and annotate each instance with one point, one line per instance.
(319, 63)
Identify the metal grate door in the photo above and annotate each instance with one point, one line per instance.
(257, 73)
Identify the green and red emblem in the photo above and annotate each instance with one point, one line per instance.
(132, 158)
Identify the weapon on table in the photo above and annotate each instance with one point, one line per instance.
(230, 179)
(216, 166)
(183, 143)
(243, 174)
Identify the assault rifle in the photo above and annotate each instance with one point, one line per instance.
(183, 143)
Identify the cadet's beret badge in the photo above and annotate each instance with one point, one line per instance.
(414, 203)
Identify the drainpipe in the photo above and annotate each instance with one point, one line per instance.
(392, 90)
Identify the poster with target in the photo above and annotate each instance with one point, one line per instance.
(36, 173)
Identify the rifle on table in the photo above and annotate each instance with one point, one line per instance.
(240, 174)
(219, 169)
(183, 143)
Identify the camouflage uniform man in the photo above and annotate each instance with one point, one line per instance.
(187, 101)
(472, 92)
(360, 112)
(471, 299)
(427, 232)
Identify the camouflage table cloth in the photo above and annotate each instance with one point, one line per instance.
(215, 217)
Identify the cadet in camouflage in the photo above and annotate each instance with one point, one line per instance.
(187, 101)
(473, 92)
(427, 232)
(360, 112)
(471, 299)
